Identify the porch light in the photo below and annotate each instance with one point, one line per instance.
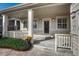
(53, 19)
(40, 19)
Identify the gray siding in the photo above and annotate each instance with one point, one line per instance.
(74, 29)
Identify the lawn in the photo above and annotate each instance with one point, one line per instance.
(17, 44)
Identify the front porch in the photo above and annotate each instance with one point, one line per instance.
(42, 23)
(38, 20)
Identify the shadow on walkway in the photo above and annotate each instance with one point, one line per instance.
(45, 39)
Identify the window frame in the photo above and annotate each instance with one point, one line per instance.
(63, 23)
(35, 24)
(26, 24)
(14, 25)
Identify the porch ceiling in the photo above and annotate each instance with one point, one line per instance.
(52, 11)
(49, 11)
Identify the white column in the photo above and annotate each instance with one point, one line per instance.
(30, 22)
(5, 22)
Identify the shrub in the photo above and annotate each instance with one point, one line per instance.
(13, 43)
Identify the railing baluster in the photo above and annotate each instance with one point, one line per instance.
(56, 37)
(69, 41)
(64, 41)
(59, 41)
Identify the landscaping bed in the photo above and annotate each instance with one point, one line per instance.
(17, 44)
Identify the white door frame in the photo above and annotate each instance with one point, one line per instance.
(46, 19)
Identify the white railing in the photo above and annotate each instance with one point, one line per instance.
(62, 41)
(16, 34)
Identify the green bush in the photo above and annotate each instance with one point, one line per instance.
(13, 43)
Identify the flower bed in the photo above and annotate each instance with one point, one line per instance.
(17, 44)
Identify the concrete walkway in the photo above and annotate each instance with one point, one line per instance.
(35, 51)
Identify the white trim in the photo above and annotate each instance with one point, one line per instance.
(51, 4)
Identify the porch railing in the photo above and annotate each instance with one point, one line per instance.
(62, 41)
(16, 34)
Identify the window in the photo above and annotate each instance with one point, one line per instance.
(25, 24)
(0, 27)
(34, 24)
(62, 23)
(12, 26)
(0, 14)
(18, 25)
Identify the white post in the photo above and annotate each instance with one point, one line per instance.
(55, 42)
(30, 21)
(5, 20)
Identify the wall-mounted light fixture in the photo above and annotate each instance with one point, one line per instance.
(53, 19)
(40, 19)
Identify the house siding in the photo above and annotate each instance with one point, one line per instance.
(52, 26)
(40, 27)
(75, 44)
(75, 29)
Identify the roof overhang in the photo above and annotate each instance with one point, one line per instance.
(28, 6)
(23, 6)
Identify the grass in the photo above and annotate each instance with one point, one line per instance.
(17, 44)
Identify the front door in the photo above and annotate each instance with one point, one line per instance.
(46, 26)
